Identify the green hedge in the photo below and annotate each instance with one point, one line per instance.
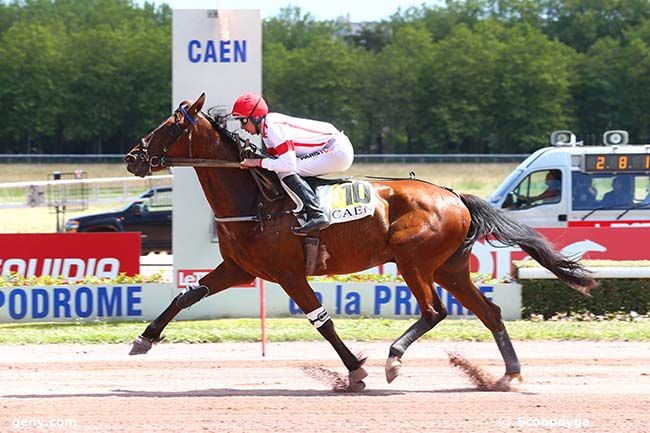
(549, 297)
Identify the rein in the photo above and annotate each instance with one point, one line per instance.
(197, 162)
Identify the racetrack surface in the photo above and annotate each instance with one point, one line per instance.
(583, 386)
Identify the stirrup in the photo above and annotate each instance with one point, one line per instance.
(310, 247)
(315, 253)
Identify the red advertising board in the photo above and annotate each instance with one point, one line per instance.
(72, 256)
(594, 243)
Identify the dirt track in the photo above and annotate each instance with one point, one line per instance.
(597, 387)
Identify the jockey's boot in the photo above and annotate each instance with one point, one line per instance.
(316, 218)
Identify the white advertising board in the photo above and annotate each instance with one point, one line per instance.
(218, 52)
(89, 303)
(84, 303)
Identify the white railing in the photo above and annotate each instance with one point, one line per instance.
(74, 191)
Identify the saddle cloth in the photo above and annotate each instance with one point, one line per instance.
(347, 201)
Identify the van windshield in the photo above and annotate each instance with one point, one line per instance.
(506, 186)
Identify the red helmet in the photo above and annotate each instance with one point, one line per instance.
(251, 106)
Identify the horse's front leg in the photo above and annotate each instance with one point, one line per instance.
(301, 292)
(227, 274)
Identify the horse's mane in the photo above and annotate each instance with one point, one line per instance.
(218, 117)
(269, 185)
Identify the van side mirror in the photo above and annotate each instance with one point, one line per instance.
(138, 208)
(509, 202)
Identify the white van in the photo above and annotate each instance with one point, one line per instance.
(571, 185)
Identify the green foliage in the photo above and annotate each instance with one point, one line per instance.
(463, 76)
(548, 297)
(84, 76)
(294, 29)
(580, 24)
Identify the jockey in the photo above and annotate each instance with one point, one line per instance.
(302, 147)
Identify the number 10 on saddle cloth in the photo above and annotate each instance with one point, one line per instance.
(347, 201)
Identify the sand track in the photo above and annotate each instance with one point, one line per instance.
(604, 387)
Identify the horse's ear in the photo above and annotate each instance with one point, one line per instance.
(198, 104)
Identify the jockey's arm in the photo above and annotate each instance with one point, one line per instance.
(285, 162)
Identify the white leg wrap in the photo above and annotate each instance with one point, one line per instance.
(318, 317)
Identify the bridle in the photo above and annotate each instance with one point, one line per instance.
(171, 133)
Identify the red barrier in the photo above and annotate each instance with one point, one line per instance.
(593, 243)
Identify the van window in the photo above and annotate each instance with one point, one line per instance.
(537, 189)
(609, 190)
(584, 193)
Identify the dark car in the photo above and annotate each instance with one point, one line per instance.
(150, 214)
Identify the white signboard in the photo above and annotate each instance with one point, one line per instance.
(145, 302)
(218, 52)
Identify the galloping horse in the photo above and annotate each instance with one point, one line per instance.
(427, 230)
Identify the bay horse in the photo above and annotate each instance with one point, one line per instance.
(427, 230)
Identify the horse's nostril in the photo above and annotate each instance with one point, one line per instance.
(130, 158)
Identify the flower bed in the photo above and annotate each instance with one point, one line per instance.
(16, 280)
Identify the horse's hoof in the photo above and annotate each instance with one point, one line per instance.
(503, 384)
(142, 345)
(355, 380)
(358, 374)
(393, 367)
(356, 386)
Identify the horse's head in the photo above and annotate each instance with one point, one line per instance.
(165, 141)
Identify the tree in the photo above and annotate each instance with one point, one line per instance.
(295, 30)
(87, 76)
(441, 21)
(580, 24)
(397, 77)
(31, 55)
(459, 90)
(8, 16)
(534, 79)
(638, 82)
(371, 36)
(599, 93)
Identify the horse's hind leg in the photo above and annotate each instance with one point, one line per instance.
(455, 277)
(227, 274)
(301, 292)
(432, 312)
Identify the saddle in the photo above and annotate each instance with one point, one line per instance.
(344, 199)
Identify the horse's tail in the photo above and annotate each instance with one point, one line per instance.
(486, 221)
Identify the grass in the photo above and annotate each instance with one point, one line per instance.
(294, 329)
(41, 219)
(478, 179)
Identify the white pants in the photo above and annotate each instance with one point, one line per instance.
(335, 157)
